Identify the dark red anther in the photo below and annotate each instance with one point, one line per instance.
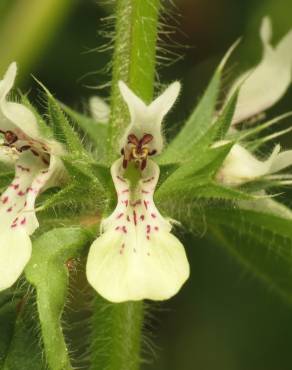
(10, 137)
(143, 164)
(46, 161)
(154, 151)
(35, 153)
(132, 139)
(146, 139)
(24, 148)
(125, 163)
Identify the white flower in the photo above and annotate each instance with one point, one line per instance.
(263, 86)
(137, 257)
(99, 109)
(36, 168)
(240, 166)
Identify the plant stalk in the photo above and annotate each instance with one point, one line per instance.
(117, 328)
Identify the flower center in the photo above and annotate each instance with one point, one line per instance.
(137, 150)
(38, 149)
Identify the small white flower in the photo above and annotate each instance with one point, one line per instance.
(263, 86)
(137, 257)
(36, 167)
(240, 166)
(99, 109)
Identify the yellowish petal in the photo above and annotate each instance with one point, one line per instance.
(15, 252)
(119, 270)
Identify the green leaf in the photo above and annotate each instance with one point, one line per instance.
(197, 125)
(97, 132)
(71, 194)
(184, 193)
(19, 330)
(225, 118)
(215, 132)
(261, 242)
(196, 173)
(87, 175)
(8, 312)
(62, 129)
(103, 175)
(89, 183)
(60, 125)
(166, 170)
(48, 273)
(202, 161)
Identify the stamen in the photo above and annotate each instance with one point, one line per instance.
(137, 150)
(10, 137)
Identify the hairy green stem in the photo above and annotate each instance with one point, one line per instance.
(133, 60)
(55, 347)
(117, 328)
(117, 340)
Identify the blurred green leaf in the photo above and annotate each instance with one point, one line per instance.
(197, 125)
(194, 176)
(97, 132)
(184, 193)
(261, 242)
(19, 338)
(62, 129)
(166, 170)
(27, 27)
(84, 174)
(195, 179)
(204, 162)
(8, 313)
